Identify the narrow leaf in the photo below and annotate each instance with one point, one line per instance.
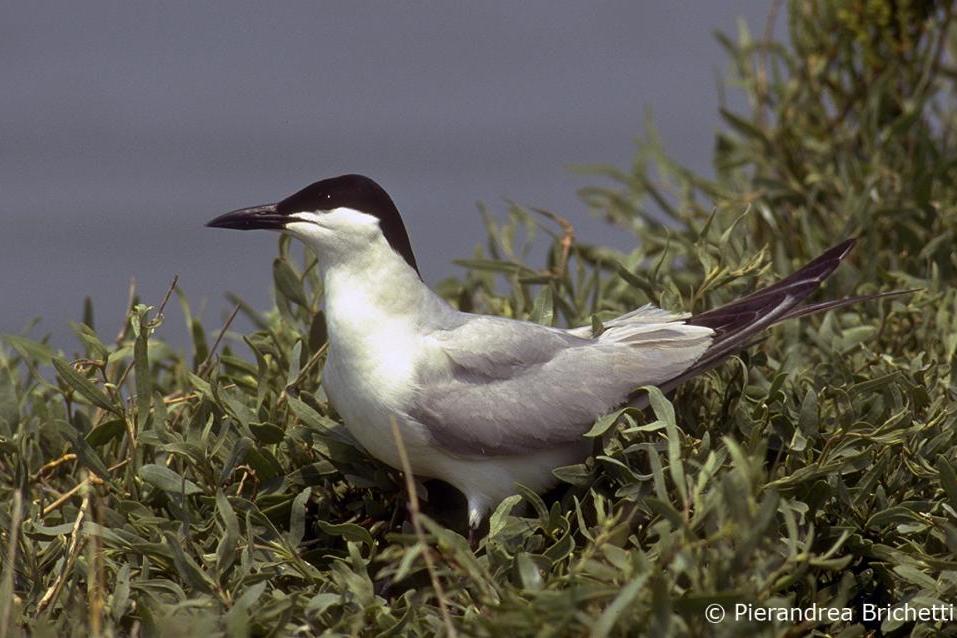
(84, 386)
(167, 480)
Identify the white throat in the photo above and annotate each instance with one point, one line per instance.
(371, 284)
(373, 296)
(379, 315)
(363, 276)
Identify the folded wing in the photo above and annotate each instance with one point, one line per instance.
(506, 387)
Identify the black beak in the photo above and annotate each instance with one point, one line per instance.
(258, 217)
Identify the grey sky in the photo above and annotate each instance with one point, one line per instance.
(125, 126)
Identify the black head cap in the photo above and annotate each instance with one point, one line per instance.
(358, 193)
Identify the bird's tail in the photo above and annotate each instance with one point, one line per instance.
(738, 323)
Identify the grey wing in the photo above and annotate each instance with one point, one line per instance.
(508, 387)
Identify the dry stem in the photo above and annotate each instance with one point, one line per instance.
(419, 532)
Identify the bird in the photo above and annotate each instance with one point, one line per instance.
(484, 402)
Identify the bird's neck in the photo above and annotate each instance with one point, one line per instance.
(373, 290)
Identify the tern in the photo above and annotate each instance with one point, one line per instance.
(485, 402)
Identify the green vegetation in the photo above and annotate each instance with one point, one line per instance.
(147, 492)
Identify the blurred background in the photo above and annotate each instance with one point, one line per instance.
(125, 126)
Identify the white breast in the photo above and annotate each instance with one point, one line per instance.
(376, 347)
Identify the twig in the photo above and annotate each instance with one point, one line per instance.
(182, 397)
(206, 365)
(417, 525)
(169, 293)
(302, 373)
(94, 576)
(66, 496)
(126, 373)
(159, 314)
(247, 473)
(66, 458)
(222, 333)
(567, 240)
(54, 590)
(129, 305)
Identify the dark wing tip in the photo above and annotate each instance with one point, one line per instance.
(843, 249)
(737, 315)
(834, 304)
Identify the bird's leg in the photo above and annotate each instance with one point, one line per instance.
(399, 505)
(474, 537)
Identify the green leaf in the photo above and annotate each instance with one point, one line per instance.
(636, 281)
(913, 575)
(808, 418)
(236, 456)
(94, 346)
(529, 572)
(604, 423)
(29, 349)
(264, 462)
(187, 567)
(288, 283)
(744, 127)
(144, 381)
(609, 618)
(267, 433)
(87, 456)
(497, 519)
(297, 517)
(88, 312)
(85, 387)
(562, 548)
(322, 425)
(851, 337)
(9, 403)
(121, 593)
(106, 432)
(167, 480)
(532, 498)
(675, 462)
(660, 405)
(948, 479)
(309, 416)
(318, 333)
(408, 560)
(226, 548)
(238, 618)
(43, 530)
(543, 310)
(490, 265)
(578, 474)
(225, 509)
(348, 531)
